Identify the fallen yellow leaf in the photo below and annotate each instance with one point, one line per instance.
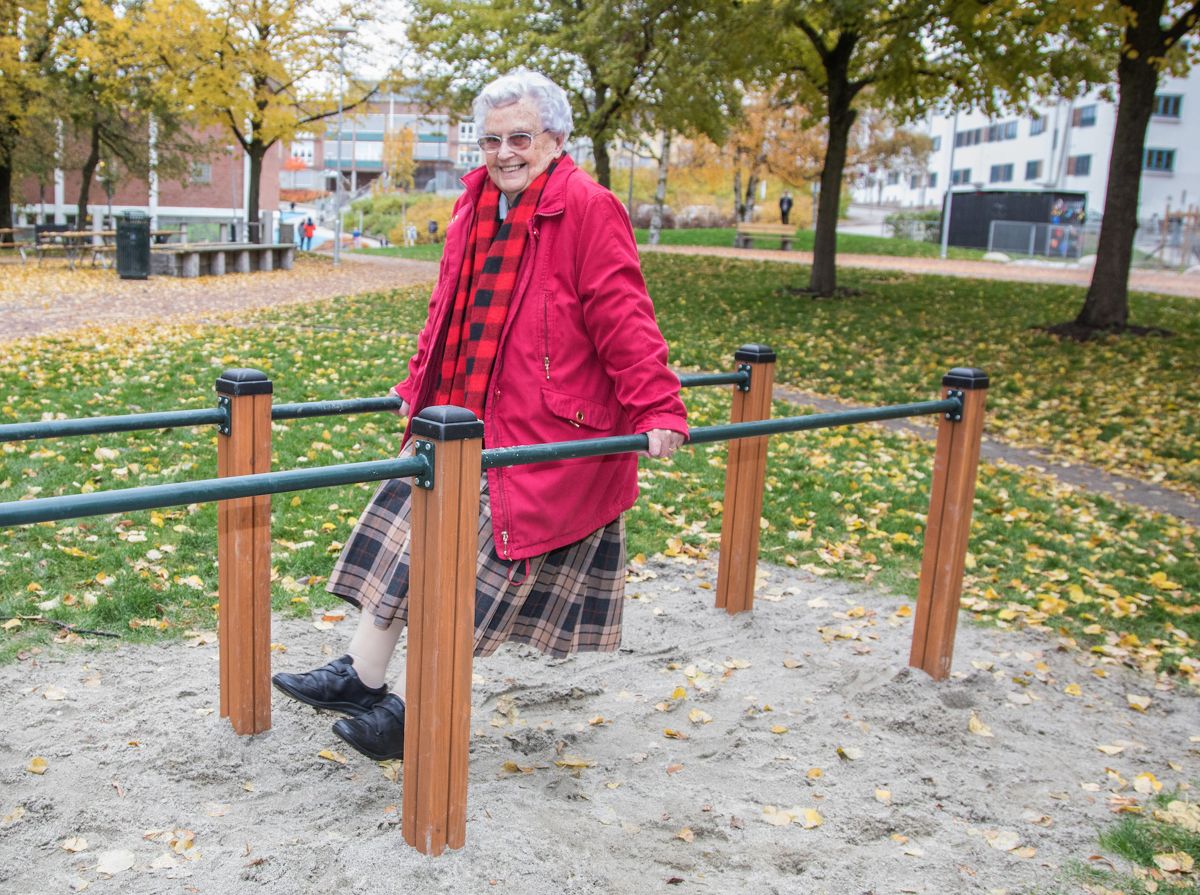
(330, 755)
(37, 765)
(977, 727)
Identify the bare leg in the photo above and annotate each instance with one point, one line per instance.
(371, 648)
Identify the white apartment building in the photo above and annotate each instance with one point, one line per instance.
(1054, 146)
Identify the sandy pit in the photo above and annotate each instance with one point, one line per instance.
(803, 756)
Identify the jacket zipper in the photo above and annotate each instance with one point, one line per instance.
(504, 539)
(546, 333)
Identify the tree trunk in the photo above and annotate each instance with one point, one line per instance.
(6, 216)
(823, 280)
(1107, 303)
(257, 152)
(86, 175)
(603, 165)
(660, 192)
(737, 191)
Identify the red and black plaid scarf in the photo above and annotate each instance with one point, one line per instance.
(485, 286)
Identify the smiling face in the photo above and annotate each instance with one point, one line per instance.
(512, 170)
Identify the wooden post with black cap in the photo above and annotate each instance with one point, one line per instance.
(745, 475)
(244, 554)
(441, 626)
(948, 527)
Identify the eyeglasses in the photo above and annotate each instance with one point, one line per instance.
(518, 142)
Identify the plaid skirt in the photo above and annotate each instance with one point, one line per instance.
(565, 601)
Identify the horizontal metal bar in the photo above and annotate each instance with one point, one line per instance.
(778, 426)
(691, 380)
(100, 503)
(562, 450)
(171, 419)
(622, 444)
(333, 408)
(98, 425)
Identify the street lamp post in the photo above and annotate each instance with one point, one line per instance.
(949, 188)
(231, 151)
(340, 33)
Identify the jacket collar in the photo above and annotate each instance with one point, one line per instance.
(553, 194)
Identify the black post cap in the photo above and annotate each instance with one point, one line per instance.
(755, 353)
(444, 422)
(244, 382)
(966, 378)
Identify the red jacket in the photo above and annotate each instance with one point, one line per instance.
(580, 356)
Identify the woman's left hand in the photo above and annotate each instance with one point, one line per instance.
(663, 443)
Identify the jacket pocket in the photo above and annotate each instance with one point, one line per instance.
(579, 412)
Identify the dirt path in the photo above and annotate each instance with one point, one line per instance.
(1187, 285)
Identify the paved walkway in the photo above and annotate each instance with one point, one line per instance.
(1187, 285)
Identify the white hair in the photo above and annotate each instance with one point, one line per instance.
(554, 109)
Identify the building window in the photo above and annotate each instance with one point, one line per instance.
(1084, 116)
(931, 180)
(201, 173)
(466, 132)
(1160, 160)
(893, 178)
(1001, 173)
(1168, 105)
(1037, 125)
(1079, 165)
(937, 144)
(914, 182)
(468, 156)
(961, 176)
(1033, 170)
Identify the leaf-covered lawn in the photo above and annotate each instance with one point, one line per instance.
(849, 502)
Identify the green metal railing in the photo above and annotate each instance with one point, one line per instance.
(219, 416)
(99, 503)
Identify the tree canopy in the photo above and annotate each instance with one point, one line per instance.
(626, 65)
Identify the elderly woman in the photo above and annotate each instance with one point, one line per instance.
(540, 323)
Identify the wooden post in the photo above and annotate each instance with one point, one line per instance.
(244, 554)
(948, 528)
(745, 473)
(441, 629)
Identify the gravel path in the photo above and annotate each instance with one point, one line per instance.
(36, 301)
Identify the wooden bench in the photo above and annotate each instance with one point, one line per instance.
(196, 259)
(747, 233)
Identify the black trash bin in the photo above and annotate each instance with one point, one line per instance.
(133, 246)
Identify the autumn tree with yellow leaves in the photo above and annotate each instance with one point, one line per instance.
(263, 70)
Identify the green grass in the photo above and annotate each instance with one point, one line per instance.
(847, 503)
(847, 243)
(427, 251)
(1148, 842)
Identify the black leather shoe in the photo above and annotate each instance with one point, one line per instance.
(334, 686)
(379, 734)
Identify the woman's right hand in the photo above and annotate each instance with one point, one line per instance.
(403, 411)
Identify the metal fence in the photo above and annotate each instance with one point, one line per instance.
(1159, 243)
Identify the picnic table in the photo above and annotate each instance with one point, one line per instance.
(75, 244)
(13, 244)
